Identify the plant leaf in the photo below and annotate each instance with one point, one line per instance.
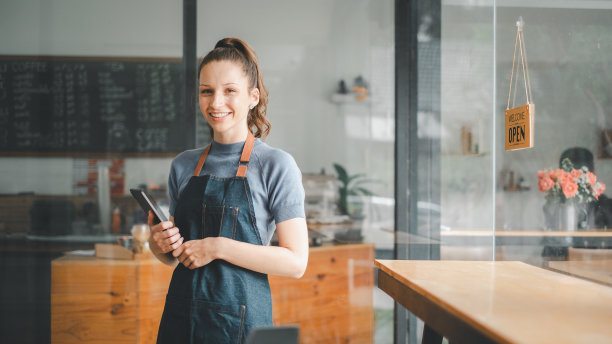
(368, 180)
(355, 176)
(342, 175)
(365, 192)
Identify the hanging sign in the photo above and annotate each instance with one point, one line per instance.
(519, 127)
(519, 120)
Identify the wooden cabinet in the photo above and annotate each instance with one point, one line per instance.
(106, 300)
(121, 301)
(332, 302)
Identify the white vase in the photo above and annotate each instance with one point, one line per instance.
(567, 217)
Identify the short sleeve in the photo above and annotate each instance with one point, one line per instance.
(285, 189)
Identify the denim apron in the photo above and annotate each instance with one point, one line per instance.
(219, 302)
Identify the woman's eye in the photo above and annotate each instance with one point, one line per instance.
(205, 91)
(231, 90)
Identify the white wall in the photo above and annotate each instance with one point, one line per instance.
(151, 28)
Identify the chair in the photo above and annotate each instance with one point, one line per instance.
(274, 335)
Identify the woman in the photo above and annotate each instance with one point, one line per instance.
(226, 201)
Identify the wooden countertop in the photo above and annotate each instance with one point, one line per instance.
(595, 270)
(503, 302)
(84, 260)
(526, 233)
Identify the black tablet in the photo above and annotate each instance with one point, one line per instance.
(148, 203)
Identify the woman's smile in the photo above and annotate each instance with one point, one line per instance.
(217, 116)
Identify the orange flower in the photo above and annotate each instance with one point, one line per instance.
(569, 189)
(561, 175)
(575, 174)
(542, 174)
(544, 184)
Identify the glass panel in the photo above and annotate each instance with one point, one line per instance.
(543, 217)
(90, 96)
(306, 49)
(467, 146)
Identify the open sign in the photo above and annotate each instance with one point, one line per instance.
(519, 127)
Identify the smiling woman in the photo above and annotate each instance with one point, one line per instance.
(230, 76)
(226, 99)
(226, 200)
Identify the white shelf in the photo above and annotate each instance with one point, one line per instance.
(463, 154)
(349, 98)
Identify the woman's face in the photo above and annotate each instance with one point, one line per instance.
(225, 99)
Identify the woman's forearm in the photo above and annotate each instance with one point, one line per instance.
(272, 260)
(288, 259)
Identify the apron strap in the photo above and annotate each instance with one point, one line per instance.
(244, 158)
(246, 155)
(198, 168)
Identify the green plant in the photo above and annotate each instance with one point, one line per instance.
(350, 185)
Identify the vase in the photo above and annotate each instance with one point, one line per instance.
(551, 214)
(567, 217)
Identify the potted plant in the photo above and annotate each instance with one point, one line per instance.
(351, 185)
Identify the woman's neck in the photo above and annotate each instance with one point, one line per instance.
(227, 138)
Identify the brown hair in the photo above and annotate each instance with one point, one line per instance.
(234, 49)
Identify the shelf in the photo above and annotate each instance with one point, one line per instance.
(349, 98)
(464, 154)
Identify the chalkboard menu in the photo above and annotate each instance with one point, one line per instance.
(66, 105)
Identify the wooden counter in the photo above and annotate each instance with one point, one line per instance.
(333, 301)
(498, 302)
(594, 270)
(121, 301)
(107, 300)
(595, 233)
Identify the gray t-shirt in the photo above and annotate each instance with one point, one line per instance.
(273, 175)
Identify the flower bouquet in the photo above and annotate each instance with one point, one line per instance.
(568, 187)
(567, 183)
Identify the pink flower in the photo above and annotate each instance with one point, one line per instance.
(569, 189)
(561, 175)
(575, 174)
(592, 178)
(544, 184)
(542, 174)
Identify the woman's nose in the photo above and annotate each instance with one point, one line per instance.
(217, 99)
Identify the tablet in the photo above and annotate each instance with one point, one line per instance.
(148, 203)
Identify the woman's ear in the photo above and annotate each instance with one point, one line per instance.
(254, 96)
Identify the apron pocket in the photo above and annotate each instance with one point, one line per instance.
(217, 323)
(219, 221)
(174, 326)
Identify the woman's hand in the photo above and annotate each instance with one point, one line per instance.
(196, 253)
(164, 235)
